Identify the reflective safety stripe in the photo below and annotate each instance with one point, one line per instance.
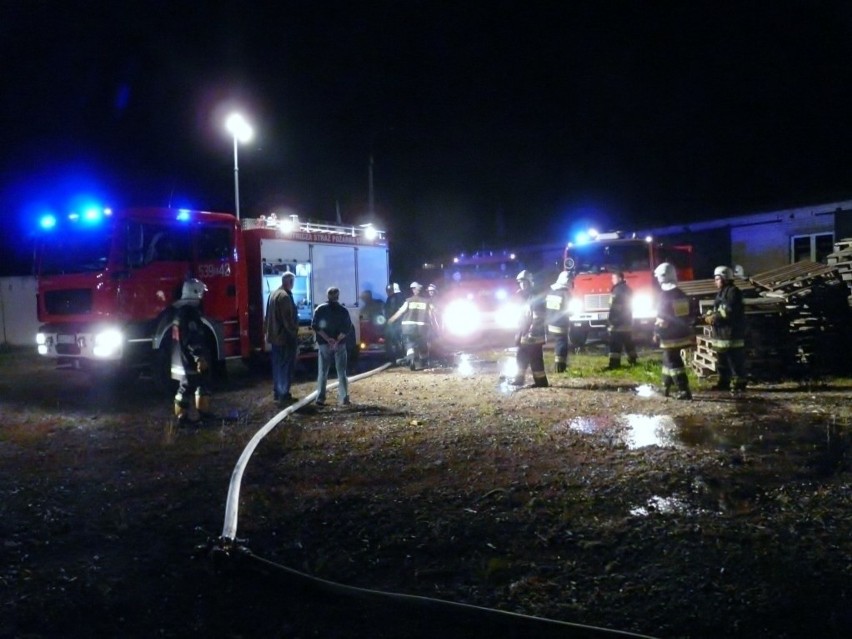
(728, 343)
(413, 323)
(417, 305)
(678, 342)
(674, 372)
(553, 302)
(556, 329)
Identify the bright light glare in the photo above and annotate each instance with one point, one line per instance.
(41, 338)
(575, 306)
(47, 221)
(183, 215)
(508, 315)
(461, 318)
(107, 343)
(370, 232)
(501, 294)
(239, 128)
(287, 226)
(509, 370)
(465, 367)
(643, 306)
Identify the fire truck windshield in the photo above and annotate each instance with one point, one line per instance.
(602, 258)
(73, 252)
(490, 271)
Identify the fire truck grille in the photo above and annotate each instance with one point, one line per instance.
(596, 302)
(69, 302)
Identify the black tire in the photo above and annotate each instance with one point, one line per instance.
(578, 336)
(161, 368)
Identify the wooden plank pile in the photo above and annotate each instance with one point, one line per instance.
(798, 323)
(841, 259)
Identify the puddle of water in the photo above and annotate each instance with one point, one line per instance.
(658, 505)
(822, 442)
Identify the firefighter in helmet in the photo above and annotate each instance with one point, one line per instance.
(190, 355)
(416, 317)
(728, 336)
(620, 322)
(531, 334)
(557, 301)
(394, 348)
(673, 329)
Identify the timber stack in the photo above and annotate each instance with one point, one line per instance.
(798, 321)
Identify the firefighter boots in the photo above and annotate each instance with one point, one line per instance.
(185, 416)
(202, 405)
(561, 367)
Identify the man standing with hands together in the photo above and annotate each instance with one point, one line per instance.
(332, 325)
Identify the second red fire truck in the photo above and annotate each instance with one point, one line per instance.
(590, 262)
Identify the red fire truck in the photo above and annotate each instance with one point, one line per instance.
(107, 279)
(590, 262)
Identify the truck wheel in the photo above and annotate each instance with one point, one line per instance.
(161, 368)
(578, 336)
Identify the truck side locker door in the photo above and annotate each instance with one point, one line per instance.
(336, 266)
(372, 270)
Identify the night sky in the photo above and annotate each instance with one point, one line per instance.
(488, 121)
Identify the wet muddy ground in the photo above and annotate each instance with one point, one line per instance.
(594, 502)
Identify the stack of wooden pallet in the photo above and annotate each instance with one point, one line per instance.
(798, 323)
(841, 259)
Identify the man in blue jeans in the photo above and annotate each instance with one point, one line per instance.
(332, 325)
(282, 334)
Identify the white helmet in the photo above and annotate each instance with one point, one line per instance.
(666, 274)
(432, 288)
(561, 280)
(192, 291)
(396, 288)
(416, 286)
(525, 275)
(724, 272)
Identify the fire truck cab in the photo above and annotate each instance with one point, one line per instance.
(593, 259)
(107, 281)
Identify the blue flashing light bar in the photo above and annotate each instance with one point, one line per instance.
(183, 215)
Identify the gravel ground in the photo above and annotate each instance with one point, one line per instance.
(587, 503)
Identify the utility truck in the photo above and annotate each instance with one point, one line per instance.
(107, 280)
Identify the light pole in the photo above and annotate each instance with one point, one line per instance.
(242, 132)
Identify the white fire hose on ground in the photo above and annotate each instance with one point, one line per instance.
(229, 530)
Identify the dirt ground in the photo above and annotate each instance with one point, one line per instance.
(594, 502)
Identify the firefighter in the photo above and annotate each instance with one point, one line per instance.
(531, 334)
(728, 337)
(393, 337)
(620, 322)
(416, 316)
(673, 329)
(436, 351)
(190, 355)
(557, 301)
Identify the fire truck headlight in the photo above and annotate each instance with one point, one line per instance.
(575, 306)
(461, 317)
(508, 315)
(108, 343)
(643, 306)
(41, 339)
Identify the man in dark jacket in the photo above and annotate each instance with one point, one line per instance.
(728, 321)
(620, 322)
(332, 325)
(281, 327)
(673, 329)
(531, 335)
(190, 364)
